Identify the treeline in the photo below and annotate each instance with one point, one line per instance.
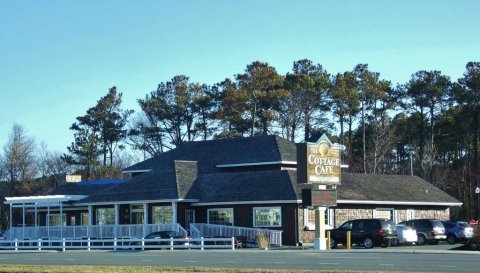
(427, 126)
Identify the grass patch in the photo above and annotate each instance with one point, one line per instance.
(149, 269)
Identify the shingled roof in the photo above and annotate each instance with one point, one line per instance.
(190, 173)
(393, 188)
(245, 187)
(210, 153)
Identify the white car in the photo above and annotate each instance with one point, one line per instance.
(406, 235)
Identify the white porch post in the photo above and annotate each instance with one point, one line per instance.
(174, 212)
(61, 220)
(145, 219)
(11, 215)
(90, 220)
(48, 220)
(36, 220)
(117, 219)
(23, 220)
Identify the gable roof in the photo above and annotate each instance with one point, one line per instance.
(211, 153)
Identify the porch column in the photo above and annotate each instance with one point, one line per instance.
(145, 218)
(11, 215)
(36, 220)
(90, 220)
(117, 219)
(23, 220)
(174, 213)
(61, 220)
(48, 220)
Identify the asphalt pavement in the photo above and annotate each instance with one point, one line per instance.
(430, 258)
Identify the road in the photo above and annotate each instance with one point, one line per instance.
(445, 261)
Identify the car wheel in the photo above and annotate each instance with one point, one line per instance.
(421, 240)
(395, 242)
(333, 243)
(368, 242)
(451, 239)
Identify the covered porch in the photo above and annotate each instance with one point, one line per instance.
(56, 216)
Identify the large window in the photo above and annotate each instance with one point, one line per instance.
(54, 219)
(105, 216)
(309, 218)
(136, 214)
(162, 214)
(221, 216)
(267, 217)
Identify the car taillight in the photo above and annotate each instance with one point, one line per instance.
(461, 228)
(380, 232)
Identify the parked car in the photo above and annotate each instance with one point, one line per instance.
(428, 230)
(162, 237)
(405, 235)
(368, 232)
(457, 231)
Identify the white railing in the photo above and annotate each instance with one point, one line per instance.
(249, 234)
(98, 231)
(119, 244)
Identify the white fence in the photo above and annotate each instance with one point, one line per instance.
(98, 231)
(119, 244)
(249, 234)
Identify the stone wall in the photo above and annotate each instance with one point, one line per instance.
(352, 212)
(439, 214)
(343, 215)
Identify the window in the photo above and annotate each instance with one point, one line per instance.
(136, 214)
(410, 214)
(267, 217)
(189, 217)
(220, 216)
(105, 216)
(84, 219)
(309, 218)
(388, 214)
(54, 220)
(162, 215)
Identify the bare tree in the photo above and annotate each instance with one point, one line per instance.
(19, 157)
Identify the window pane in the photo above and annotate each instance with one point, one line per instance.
(105, 216)
(311, 217)
(54, 219)
(162, 214)
(84, 219)
(220, 216)
(267, 217)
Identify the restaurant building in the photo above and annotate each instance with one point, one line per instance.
(246, 183)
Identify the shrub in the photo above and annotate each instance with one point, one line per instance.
(262, 240)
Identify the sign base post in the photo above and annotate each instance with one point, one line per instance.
(320, 242)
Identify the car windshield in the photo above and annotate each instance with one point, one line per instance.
(437, 224)
(152, 235)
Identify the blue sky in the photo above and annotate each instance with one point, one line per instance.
(57, 58)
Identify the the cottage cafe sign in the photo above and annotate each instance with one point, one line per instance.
(323, 162)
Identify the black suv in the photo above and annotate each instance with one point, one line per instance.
(369, 232)
(428, 230)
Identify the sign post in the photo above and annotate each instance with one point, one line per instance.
(319, 164)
